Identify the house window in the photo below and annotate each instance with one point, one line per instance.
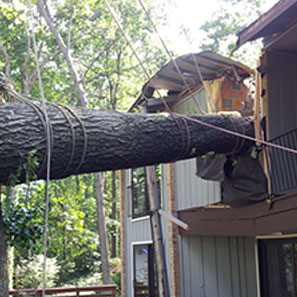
(144, 271)
(278, 266)
(140, 199)
(227, 103)
(140, 202)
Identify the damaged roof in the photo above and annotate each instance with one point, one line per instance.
(210, 64)
(274, 21)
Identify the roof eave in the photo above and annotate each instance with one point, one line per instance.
(260, 27)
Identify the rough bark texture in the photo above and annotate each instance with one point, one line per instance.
(99, 181)
(3, 260)
(65, 49)
(113, 140)
(114, 216)
(123, 235)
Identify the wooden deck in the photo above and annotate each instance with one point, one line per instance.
(90, 291)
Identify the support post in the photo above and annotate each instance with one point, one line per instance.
(157, 232)
(123, 233)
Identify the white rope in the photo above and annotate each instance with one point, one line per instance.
(48, 149)
(208, 95)
(173, 60)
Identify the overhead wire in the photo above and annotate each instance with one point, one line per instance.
(172, 59)
(182, 151)
(48, 149)
(208, 95)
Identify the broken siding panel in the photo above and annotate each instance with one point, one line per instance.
(192, 191)
(218, 266)
(189, 105)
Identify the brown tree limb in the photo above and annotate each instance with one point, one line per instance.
(7, 63)
(66, 52)
(109, 140)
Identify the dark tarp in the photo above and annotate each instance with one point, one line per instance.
(211, 167)
(243, 179)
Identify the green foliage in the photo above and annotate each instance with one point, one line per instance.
(28, 168)
(24, 226)
(115, 270)
(112, 79)
(29, 272)
(229, 19)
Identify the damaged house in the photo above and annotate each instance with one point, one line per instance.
(179, 188)
(237, 234)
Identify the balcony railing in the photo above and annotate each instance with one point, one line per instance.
(283, 169)
(91, 291)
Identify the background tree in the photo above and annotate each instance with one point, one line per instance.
(100, 64)
(230, 18)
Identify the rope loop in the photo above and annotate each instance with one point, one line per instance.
(49, 138)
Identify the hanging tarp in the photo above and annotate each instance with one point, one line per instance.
(242, 177)
(211, 167)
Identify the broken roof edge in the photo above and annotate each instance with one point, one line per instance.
(260, 27)
(211, 64)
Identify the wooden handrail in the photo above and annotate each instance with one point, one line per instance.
(99, 291)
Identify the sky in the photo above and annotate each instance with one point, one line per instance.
(191, 14)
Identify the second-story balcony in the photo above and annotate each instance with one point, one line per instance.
(283, 164)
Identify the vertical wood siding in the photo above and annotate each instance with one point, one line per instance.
(192, 191)
(282, 92)
(218, 267)
(281, 72)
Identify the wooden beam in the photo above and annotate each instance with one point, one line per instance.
(123, 233)
(266, 217)
(157, 231)
(174, 251)
(173, 219)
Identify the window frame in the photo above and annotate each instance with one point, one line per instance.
(153, 287)
(134, 198)
(269, 242)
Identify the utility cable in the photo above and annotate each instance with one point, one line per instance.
(48, 149)
(182, 151)
(172, 59)
(208, 95)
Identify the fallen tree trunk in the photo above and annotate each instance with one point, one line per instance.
(91, 140)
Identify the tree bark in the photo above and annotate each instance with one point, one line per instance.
(99, 181)
(114, 215)
(110, 140)
(65, 49)
(3, 259)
